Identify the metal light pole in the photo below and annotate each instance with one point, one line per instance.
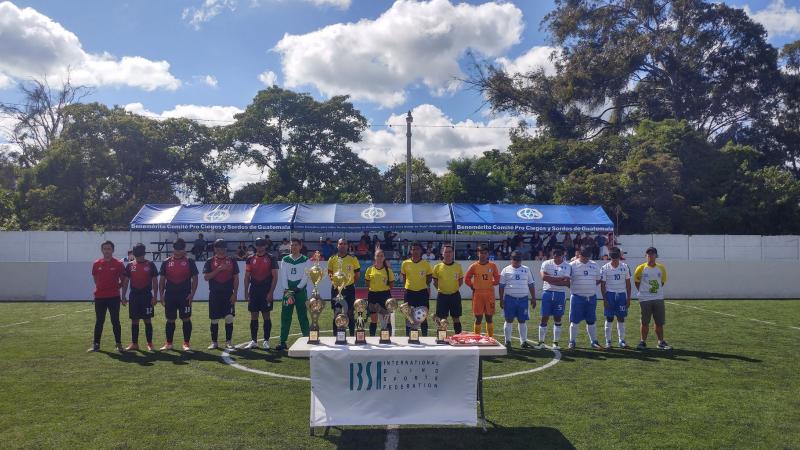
(409, 119)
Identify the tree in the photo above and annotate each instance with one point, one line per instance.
(40, 119)
(484, 179)
(620, 62)
(303, 144)
(424, 183)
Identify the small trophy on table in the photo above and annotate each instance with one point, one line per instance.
(315, 304)
(340, 280)
(390, 306)
(441, 330)
(415, 317)
(360, 307)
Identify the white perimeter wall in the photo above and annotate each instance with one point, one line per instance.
(687, 279)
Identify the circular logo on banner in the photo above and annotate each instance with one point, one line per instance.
(216, 215)
(373, 213)
(529, 214)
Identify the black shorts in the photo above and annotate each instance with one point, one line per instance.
(140, 305)
(258, 297)
(418, 298)
(219, 304)
(448, 304)
(376, 301)
(175, 305)
(349, 294)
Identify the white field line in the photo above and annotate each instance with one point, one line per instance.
(726, 314)
(14, 324)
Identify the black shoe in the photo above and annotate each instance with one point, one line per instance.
(281, 347)
(526, 345)
(508, 345)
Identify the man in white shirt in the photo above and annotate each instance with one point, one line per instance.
(556, 274)
(583, 301)
(615, 285)
(516, 289)
(650, 278)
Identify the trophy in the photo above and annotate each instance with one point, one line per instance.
(390, 306)
(415, 317)
(360, 307)
(341, 325)
(340, 280)
(315, 304)
(441, 330)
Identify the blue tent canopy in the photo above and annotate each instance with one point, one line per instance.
(529, 218)
(339, 217)
(219, 217)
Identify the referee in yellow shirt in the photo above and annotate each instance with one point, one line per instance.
(349, 265)
(379, 278)
(448, 276)
(417, 274)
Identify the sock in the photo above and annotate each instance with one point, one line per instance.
(148, 332)
(507, 331)
(477, 328)
(608, 331)
(228, 331)
(135, 334)
(592, 330)
(556, 332)
(187, 331)
(457, 327)
(490, 329)
(543, 333)
(573, 331)
(170, 331)
(267, 329)
(214, 332)
(621, 331)
(253, 329)
(373, 328)
(523, 332)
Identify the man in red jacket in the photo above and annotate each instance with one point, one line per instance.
(108, 273)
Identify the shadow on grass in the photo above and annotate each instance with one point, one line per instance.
(144, 358)
(652, 355)
(450, 438)
(260, 355)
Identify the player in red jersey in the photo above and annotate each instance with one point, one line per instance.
(260, 277)
(142, 275)
(176, 287)
(108, 273)
(222, 274)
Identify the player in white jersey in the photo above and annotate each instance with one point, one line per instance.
(556, 274)
(516, 290)
(615, 285)
(583, 301)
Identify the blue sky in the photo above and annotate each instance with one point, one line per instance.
(207, 55)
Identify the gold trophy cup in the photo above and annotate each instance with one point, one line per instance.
(341, 324)
(390, 306)
(315, 304)
(360, 307)
(340, 280)
(415, 317)
(441, 330)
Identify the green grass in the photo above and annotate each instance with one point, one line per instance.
(730, 383)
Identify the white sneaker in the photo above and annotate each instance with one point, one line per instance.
(165, 347)
(186, 347)
(250, 345)
(229, 346)
(213, 346)
(555, 346)
(266, 344)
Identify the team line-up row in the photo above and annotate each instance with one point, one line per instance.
(140, 285)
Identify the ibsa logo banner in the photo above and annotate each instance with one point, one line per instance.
(382, 386)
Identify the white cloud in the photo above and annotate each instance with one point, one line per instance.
(33, 45)
(534, 59)
(439, 144)
(341, 4)
(5, 81)
(268, 77)
(777, 18)
(207, 115)
(412, 42)
(210, 80)
(207, 11)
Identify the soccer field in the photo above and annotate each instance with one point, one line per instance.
(731, 382)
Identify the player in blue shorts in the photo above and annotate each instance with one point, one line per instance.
(615, 285)
(583, 301)
(556, 274)
(516, 289)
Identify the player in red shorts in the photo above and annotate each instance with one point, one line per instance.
(176, 288)
(142, 275)
(108, 273)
